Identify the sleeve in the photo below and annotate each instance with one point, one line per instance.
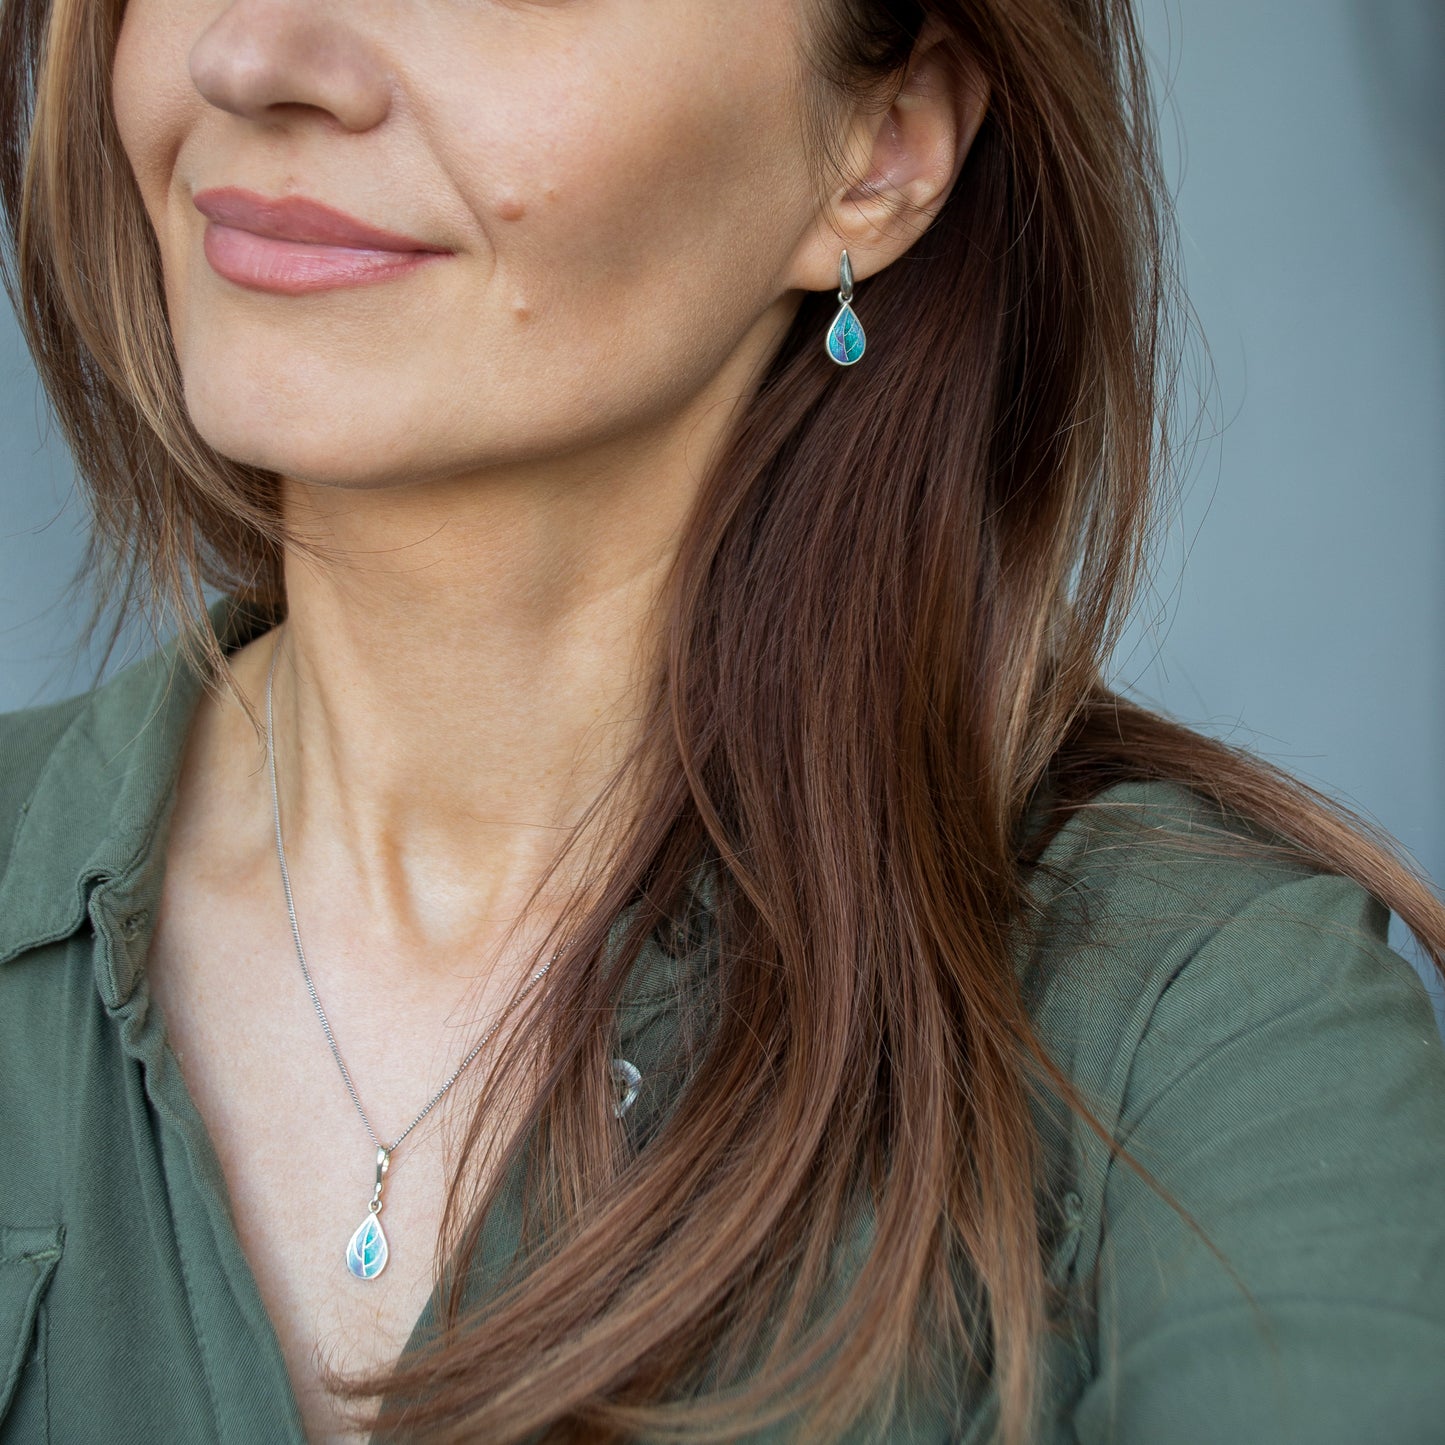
(1289, 1090)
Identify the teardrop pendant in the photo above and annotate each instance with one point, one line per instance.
(845, 337)
(367, 1252)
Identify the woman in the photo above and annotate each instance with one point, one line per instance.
(632, 907)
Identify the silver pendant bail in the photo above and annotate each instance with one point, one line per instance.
(383, 1162)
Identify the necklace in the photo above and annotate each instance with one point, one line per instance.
(367, 1251)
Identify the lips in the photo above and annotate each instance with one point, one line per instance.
(292, 245)
(298, 218)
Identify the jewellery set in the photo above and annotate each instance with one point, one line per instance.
(368, 1249)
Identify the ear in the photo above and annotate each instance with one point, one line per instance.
(907, 160)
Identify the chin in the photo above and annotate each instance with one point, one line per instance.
(320, 454)
(267, 425)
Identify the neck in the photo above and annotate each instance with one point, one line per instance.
(456, 682)
(465, 663)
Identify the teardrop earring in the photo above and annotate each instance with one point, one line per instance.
(845, 336)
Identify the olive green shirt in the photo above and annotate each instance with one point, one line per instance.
(1241, 1025)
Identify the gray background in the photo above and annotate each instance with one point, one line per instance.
(1298, 601)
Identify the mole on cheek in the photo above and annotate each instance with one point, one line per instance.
(511, 208)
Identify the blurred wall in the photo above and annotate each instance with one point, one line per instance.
(1299, 598)
(1298, 604)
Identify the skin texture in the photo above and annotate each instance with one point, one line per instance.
(497, 452)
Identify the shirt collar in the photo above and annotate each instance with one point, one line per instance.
(102, 796)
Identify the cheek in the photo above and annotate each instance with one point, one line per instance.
(155, 106)
(151, 93)
(623, 223)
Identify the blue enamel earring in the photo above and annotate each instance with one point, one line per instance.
(845, 336)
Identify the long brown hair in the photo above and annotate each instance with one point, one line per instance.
(886, 632)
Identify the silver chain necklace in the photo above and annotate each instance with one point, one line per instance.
(367, 1251)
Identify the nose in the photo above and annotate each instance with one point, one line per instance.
(261, 58)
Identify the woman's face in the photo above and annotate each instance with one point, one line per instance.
(619, 188)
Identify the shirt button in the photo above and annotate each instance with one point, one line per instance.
(1073, 1207)
(132, 923)
(627, 1076)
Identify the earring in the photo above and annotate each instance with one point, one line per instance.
(845, 336)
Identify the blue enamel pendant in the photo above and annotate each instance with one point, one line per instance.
(845, 336)
(366, 1253)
